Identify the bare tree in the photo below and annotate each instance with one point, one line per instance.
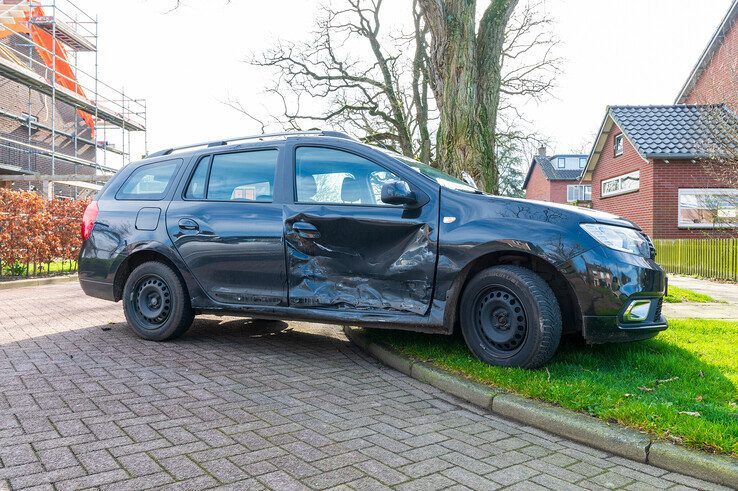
(466, 75)
(379, 85)
(383, 97)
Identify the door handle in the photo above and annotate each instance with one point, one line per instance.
(306, 230)
(188, 224)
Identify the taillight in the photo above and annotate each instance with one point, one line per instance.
(88, 219)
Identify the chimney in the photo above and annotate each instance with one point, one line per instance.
(542, 151)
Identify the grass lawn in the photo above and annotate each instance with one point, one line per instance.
(679, 295)
(681, 385)
(42, 269)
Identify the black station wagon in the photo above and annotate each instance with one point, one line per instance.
(318, 226)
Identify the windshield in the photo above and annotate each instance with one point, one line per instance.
(440, 177)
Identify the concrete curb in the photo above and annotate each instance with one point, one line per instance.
(715, 468)
(611, 438)
(575, 426)
(52, 280)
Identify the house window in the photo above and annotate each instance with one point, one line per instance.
(582, 162)
(626, 183)
(708, 208)
(578, 192)
(619, 144)
(561, 163)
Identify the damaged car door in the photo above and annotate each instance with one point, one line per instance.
(349, 249)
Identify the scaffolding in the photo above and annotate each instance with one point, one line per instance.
(74, 124)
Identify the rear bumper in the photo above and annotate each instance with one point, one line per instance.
(97, 289)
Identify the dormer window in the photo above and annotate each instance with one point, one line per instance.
(561, 163)
(618, 144)
(582, 162)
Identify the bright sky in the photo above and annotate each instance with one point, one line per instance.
(185, 62)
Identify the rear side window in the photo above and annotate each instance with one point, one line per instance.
(149, 182)
(196, 189)
(242, 176)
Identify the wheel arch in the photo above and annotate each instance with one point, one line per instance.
(135, 259)
(571, 312)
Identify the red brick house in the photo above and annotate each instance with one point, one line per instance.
(674, 169)
(652, 165)
(715, 76)
(556, 178)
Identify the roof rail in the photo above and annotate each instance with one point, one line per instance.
(228, 141)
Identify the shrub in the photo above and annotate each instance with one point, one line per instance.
(35, 230)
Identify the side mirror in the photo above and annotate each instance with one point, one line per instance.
(469, 180)
(398, 193)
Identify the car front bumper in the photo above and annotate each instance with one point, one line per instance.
(606, 283)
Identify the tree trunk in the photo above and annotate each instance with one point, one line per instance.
(490, 41)
(465, 77)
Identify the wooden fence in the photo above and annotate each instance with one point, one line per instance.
(709, 258)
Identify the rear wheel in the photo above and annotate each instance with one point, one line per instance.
(510, 317)
(155, 302)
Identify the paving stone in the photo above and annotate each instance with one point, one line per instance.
(225, 408)
(470, 479)
(612, 480)
(381, 472)
(181, 467)
(281, 480)
(512, 474)
(139, 464)
(430, 482)
(333, 478)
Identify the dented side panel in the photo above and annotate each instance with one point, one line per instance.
(366, 258)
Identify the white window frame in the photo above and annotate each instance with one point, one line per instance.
(702, 191)
(561, 162)
(621, 138)
(582, 162)
(580, 191)
(620, 178)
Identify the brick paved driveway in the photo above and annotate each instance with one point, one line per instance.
(85, 403)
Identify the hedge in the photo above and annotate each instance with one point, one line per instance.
(37, 231)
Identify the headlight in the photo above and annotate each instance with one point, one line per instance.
(619, 238)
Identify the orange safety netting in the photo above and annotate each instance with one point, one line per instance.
(64, 73)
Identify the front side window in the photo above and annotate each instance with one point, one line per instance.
(708, 208)
(325, 175)
(149, 182)
(239, 176)
(626, 183)
(618, 144)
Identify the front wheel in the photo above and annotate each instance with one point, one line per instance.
(510, 317)
(156, 303)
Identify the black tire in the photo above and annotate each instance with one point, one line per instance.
(510, 317)
(156, 303)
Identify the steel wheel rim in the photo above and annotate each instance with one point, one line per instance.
(151, 300)
(500, 320)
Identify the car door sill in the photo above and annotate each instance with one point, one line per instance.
(387, 320)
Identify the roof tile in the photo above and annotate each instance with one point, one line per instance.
(679, 131)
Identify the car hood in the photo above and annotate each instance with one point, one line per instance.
(583, 215)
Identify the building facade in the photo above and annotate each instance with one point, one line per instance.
(555, 178)
(667, 169)
(673, 169)
(56, 117)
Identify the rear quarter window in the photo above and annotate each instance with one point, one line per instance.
(150, 181)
